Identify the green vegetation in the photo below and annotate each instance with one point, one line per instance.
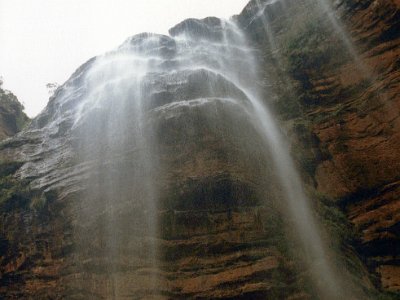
(305, 150)
(12, 111)
(309, 50)
(387, 296)
(306, 45)
(309, 47)
(13, 193)
(16, 193)
(338, 226)
(288, 107)
(9, 167)
(38, 202)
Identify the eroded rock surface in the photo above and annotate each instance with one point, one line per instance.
(154, 119)
(220, 233)
(342, 103)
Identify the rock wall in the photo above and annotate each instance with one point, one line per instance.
(337, 85)
(221, 235)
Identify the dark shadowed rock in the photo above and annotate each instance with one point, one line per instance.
(12, 117)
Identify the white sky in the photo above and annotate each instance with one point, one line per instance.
(44, 41)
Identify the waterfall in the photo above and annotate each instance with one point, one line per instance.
(124, 107)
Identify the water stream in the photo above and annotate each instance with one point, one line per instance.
(203, 63)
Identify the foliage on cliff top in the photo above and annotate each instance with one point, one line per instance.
(12, 111)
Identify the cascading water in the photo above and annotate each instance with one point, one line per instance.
(296, 202)
(121, 103)
(326, 276)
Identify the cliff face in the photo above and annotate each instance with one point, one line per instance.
(12, 117)
(79, 218)
(337, 85)
(220, 232)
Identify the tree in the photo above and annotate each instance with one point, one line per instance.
(52, 87)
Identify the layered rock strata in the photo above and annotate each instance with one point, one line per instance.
(219, 231)
(337, 74)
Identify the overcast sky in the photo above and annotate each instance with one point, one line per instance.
(44, 41)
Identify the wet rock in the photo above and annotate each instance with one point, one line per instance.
(208, 28)
(149, 44)
(219, 234)
(349, 104)
(207, 236)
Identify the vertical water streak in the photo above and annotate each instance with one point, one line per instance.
(297, 204)
(365, 71)
(345, 38)
(118, 142)
(237, 63)
(119, 214)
